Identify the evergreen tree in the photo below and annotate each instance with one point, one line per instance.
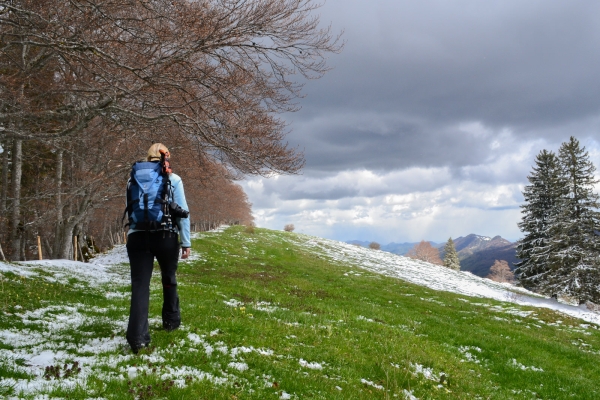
(542, 198)
(572, 253)
(451, 256)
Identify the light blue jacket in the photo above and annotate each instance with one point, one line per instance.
(182, 224)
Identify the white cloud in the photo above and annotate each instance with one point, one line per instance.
(390, 207)
(407, 204)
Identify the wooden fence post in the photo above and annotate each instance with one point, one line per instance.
(75, 248)
(39, 247)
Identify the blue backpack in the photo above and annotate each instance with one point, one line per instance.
(148, 197)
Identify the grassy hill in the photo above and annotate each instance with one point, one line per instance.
(274, 315)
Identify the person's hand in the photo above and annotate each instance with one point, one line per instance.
(185, 252)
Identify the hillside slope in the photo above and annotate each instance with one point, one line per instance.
(275, 315)
(476, 253)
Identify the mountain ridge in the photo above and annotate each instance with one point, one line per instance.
(477, 253)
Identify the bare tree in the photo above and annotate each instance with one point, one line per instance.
(500, 272)
(90, 81)
(289, 228)
(424, 251)
(216, 72)
(374, 246)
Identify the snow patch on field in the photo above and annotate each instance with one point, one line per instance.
(117, 255)
(515, 364)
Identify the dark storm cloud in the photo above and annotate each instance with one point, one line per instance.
(385, 142)
(412, 71)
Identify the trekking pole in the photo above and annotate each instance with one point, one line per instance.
(39, 247)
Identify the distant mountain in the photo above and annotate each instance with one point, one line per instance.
(476, 253)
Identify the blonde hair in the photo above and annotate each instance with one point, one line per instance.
(154, 151)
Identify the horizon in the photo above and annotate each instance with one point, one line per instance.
(430, 241)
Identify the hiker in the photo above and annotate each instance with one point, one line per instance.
(157, 212)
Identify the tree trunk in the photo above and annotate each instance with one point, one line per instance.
(4, 189)
(23, 245)
(17, 164)
(64, 238)
(58, 236)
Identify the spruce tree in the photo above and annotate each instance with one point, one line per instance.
(542, 198)
(451, 256)
(573, 249)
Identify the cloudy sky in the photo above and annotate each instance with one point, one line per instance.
(428, 125)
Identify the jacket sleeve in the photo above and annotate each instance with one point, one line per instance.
(182, 223)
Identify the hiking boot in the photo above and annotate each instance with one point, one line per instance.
(169, 326)
(136, 347)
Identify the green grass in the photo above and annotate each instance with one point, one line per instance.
(365, 336)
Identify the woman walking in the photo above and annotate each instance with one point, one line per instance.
(158, 214)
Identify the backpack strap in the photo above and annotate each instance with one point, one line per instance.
(129, 205)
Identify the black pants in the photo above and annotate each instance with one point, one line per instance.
(142, 247)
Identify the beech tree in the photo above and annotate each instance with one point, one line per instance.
(214, 74)
(424, 251)
(289, 227)
(215, 71)
(374, 246)
(500, 272)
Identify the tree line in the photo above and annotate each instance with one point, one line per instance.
(87, 86)
(560, 250)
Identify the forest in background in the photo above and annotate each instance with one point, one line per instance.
(87, 86)
(75, 191)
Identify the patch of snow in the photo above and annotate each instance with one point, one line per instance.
(372, 384)
(219, 229)
(363, 318)
(116, 255)
(310, 365)
(266, 307)
(240, 366)
(426, 372)
(240, 350)
(62, 271)
(233, 303)
(466, 351)
(515, 364)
